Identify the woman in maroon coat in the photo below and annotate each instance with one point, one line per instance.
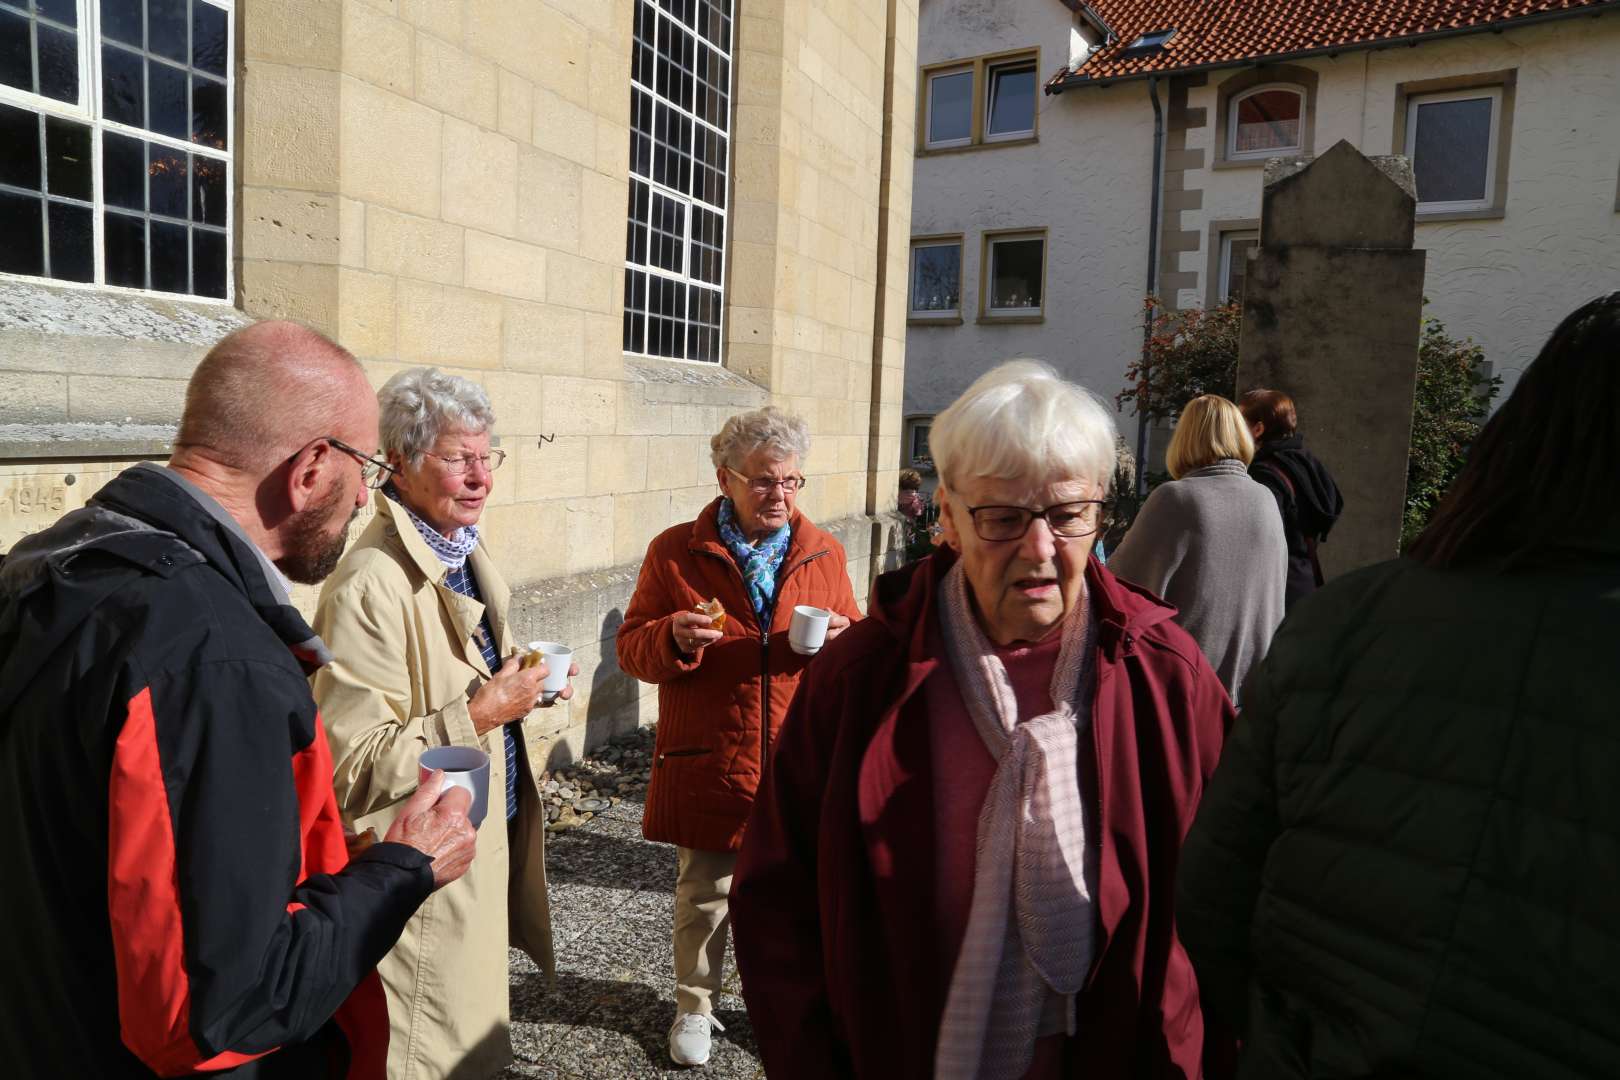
(961, 861)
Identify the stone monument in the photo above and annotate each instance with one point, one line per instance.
(1332, 309)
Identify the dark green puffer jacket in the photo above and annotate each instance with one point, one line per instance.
(1407, 863)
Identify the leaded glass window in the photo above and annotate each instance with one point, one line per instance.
(115, 143)
(680, 124)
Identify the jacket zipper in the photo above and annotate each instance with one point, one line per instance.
(693, 752)
(765, 653)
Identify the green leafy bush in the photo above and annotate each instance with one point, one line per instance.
(1452, 401)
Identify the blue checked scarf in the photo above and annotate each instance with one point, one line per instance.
(759, 562)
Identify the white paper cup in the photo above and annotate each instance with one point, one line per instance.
(464, 767)
(558, 659)
(807, 633)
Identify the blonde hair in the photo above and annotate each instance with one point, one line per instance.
(1022, 421)
(1211, 429)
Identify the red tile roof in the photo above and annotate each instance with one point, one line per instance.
(1217, 33)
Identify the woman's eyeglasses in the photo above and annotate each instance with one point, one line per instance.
(764, 485)
(455, 466)
(1069, 520)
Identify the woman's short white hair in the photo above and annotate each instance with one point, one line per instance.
(782, 435)
(420, 404)
(1022, 421)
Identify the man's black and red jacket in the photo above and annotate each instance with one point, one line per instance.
(178, 897)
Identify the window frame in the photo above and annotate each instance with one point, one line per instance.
(1228, 237)
(927, 316)
(1233, 153)
(914, 426)
(1495, 95)
(689, 203)
(981, 68)
(928, 107)
(87, 111)
(989, 314)
(990, 72)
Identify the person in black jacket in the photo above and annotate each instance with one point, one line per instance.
(181, 896)
(1406, 862)
(1306, 495)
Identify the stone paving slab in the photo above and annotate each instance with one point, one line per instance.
(612, 900)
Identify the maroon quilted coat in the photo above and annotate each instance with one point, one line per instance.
(712, 734)
(832, 905)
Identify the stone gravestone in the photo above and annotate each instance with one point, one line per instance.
(1332, 307)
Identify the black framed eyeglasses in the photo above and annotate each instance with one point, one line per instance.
(374, 472)
(1070, 520)
(455, 466)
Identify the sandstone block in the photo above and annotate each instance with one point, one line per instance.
(637, 518)
(290, 121)
(552, 470)
(34, 397)
(549, 200)
(305, 33)
(306, 292)
(528, 540)
(505, 267)
(544, 338)
(566, 129)
(516, 397)
(602, 216)
(441, 18)
(391, 150)
(377, 48)
(582, 283)
(515, 106)
(480, 178)
(351, 232)
(439, 324)
(618, 464)
(113, 398)
(455, 82)
(577, 406)
(366, 313)
(414, 247)
(589, 525)
(291, 226)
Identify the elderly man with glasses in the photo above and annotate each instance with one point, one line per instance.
(962, 859)
(417, 617)
(725, 677)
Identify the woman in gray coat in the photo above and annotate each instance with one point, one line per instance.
(1210, 542)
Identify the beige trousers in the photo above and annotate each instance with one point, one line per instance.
(702, 917)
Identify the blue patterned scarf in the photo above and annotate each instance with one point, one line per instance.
(759, 562)
(452, 552)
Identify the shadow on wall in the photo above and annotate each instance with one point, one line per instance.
(610, 700)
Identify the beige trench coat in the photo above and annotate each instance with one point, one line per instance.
(407, 662)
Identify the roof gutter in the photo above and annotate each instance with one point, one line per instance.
(1076, 80)
(1152, 280)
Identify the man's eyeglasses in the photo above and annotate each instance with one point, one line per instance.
(1069, 520)
(455, 466)
(764, 485)
(374, 472)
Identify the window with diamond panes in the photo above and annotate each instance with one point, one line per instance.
(115, 143)
(680, 122)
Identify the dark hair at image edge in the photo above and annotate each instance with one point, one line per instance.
(1541, 472)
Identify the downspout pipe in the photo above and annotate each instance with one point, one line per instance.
(1152, 278)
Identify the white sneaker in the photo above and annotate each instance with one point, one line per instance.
(689, 1038)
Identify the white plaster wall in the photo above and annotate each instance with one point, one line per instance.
(1505, 282)
(1087, 181)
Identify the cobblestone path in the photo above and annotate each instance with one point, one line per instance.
(612, 901)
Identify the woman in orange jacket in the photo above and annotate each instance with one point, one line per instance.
(725, 677)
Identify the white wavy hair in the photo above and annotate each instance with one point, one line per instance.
(784, 435)
(418, 405)
(1022, 421)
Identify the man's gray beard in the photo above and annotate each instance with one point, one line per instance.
(312, 554)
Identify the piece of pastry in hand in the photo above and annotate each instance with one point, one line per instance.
(715, 612)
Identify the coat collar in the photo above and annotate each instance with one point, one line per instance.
(807, 539)
(465, 612)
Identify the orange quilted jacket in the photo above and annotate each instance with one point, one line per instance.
(712, 736)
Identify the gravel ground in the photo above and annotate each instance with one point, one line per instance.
(612, 904)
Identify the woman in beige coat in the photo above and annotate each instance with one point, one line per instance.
(416, 616)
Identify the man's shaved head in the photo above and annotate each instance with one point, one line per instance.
(266, 391)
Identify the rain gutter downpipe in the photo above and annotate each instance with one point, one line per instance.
(1152, 283)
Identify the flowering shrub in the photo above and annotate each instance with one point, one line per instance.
(1188, 353)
